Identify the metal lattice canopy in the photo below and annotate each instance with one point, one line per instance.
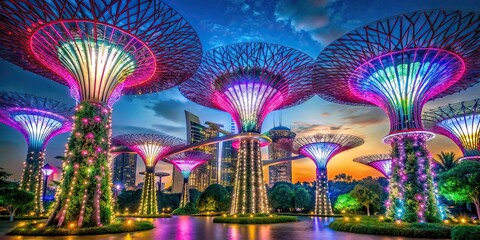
(322, 147)
(100, 49)
(37, 118)
(188, 161)
(380, 162)
(249, 80)
(150, 147)
(460, 122)
(401, 62)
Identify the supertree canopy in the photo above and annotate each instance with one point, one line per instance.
(381, 163)
(320, 148)
(151, 148)
(186, 162)
(100, 50)
(249, 80)
(38, 119)
(461, 123)
(398, 64)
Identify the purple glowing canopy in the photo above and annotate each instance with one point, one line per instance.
(320, 148)
(37, 118)
(102, 48)
(150, 147)
(249, 80)
(401, 62)
(380, 162)
(460, 122)
(188, 161)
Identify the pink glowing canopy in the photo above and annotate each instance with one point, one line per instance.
(320, 148)
(380, 162)
(402, 62)
(37, 118)
(460, 122)
(100, 49)
(188, 161)
(249, 80)
(150, 147)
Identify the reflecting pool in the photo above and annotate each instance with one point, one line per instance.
(185, 228)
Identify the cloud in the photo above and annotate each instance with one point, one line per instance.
(363, 117)
(303, 128)
(323, 19)
(169, 109)
(134, 129)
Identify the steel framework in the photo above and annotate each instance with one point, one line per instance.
(100, 50)
(249, 80)
(461, 123)
(399, 64)
(38, 119)
(186, 162)
(380, 162)
(151, 148)
(320, 148)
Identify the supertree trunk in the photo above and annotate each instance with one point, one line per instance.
(148, 205)
(85, 197)
(249, 194)
(322, 198)
(411, 188)
(32, 178)
(185, 193)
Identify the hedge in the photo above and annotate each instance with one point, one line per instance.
(119, 227)
(465, 233)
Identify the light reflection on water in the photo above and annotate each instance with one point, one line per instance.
(186, 228)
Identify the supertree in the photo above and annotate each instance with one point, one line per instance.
(398, 64)
(249, 80)
(320, 148)
(461, 123)
(100, 50)
(151, 148)
(381, 163)
(38, 119)
(186, 162)
(160, 175)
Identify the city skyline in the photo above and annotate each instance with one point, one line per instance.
(162, 112)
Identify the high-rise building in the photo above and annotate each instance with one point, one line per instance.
(124, 170)
(205, 174)
(280, 135)
(229, 158)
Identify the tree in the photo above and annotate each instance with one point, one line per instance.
(281, 197)
(215, 198)
(446, 161)
(194, 194)
(301, 198)
(346, 202)
(13, 198)
(461, 184)
(342, 177)
(4, 183)
(365, 196)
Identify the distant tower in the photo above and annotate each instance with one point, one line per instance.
(380, 162)
(124, 170)
(281, 171)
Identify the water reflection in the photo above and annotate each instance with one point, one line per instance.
(186, 228)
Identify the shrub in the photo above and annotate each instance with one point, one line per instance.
(373, 226)
(215, 198)
(118, 227)
(465, 233)
(189, 209)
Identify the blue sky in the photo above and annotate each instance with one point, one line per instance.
(305, 25)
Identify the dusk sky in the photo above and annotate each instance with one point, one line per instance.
(307, 25)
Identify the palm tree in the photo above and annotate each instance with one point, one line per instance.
(446, 161)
